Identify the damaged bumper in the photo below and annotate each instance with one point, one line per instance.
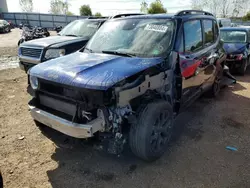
(67, 127)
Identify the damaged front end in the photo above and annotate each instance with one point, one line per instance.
(106, 114)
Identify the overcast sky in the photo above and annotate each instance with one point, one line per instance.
(106, 7)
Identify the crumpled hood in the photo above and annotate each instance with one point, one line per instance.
(91, 70)
(48, 41)
(234, 48)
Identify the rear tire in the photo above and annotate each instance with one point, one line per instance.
(151, 133)
(215, 89)
(243, 67)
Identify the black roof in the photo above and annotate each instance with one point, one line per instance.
(185, 15)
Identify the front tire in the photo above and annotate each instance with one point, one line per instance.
(151, 133)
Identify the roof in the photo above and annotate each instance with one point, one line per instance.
(99, 19)
(235, 28)
(167, 16)
(185, 15)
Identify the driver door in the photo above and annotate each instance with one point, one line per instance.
(192, 58)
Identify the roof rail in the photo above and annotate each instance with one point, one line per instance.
(97, 17)
(185, 12)
(125, 15)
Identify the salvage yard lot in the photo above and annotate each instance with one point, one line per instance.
(30, 157)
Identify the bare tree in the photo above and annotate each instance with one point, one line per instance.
(26, 5)
(144, 7)
(197, 4)
(59, 7)
(224, 8)
(240, 7)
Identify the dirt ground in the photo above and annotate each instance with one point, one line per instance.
(197, 156)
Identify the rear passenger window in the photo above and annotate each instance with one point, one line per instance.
(192, 36)
(208, 31)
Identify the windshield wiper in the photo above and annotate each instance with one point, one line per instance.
(118, 53)
(71, 35)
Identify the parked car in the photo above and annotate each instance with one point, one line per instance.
(237, 46)
(234, 25)
(224, 22)
(4, 26)
(29, 33)
(131, 80)
(73, 37)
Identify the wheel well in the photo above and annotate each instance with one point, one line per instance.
(149, 96)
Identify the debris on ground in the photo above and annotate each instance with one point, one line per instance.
(11, 172)
(21, 137)
(231, 148)
(11, 96)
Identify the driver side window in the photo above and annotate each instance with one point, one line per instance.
(193, 36)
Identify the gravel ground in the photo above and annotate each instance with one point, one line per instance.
(197, 157)
(33, 157)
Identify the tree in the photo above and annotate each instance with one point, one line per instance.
(85, 10)
(144, 7)
(240, 7)
(197, 4)
(246, 17)
(98, 14)
(26, 5)
(156, 7)
(70, 13)
(59, 7)
(224, 8)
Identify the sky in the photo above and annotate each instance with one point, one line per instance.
(105, 7)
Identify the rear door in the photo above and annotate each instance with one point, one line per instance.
(210, 54)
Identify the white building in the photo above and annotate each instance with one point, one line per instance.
(3, 6)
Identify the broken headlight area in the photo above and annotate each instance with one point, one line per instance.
(83, 106)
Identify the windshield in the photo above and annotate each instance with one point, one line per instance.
(80, 28)
(233, 36)
(138, 37)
